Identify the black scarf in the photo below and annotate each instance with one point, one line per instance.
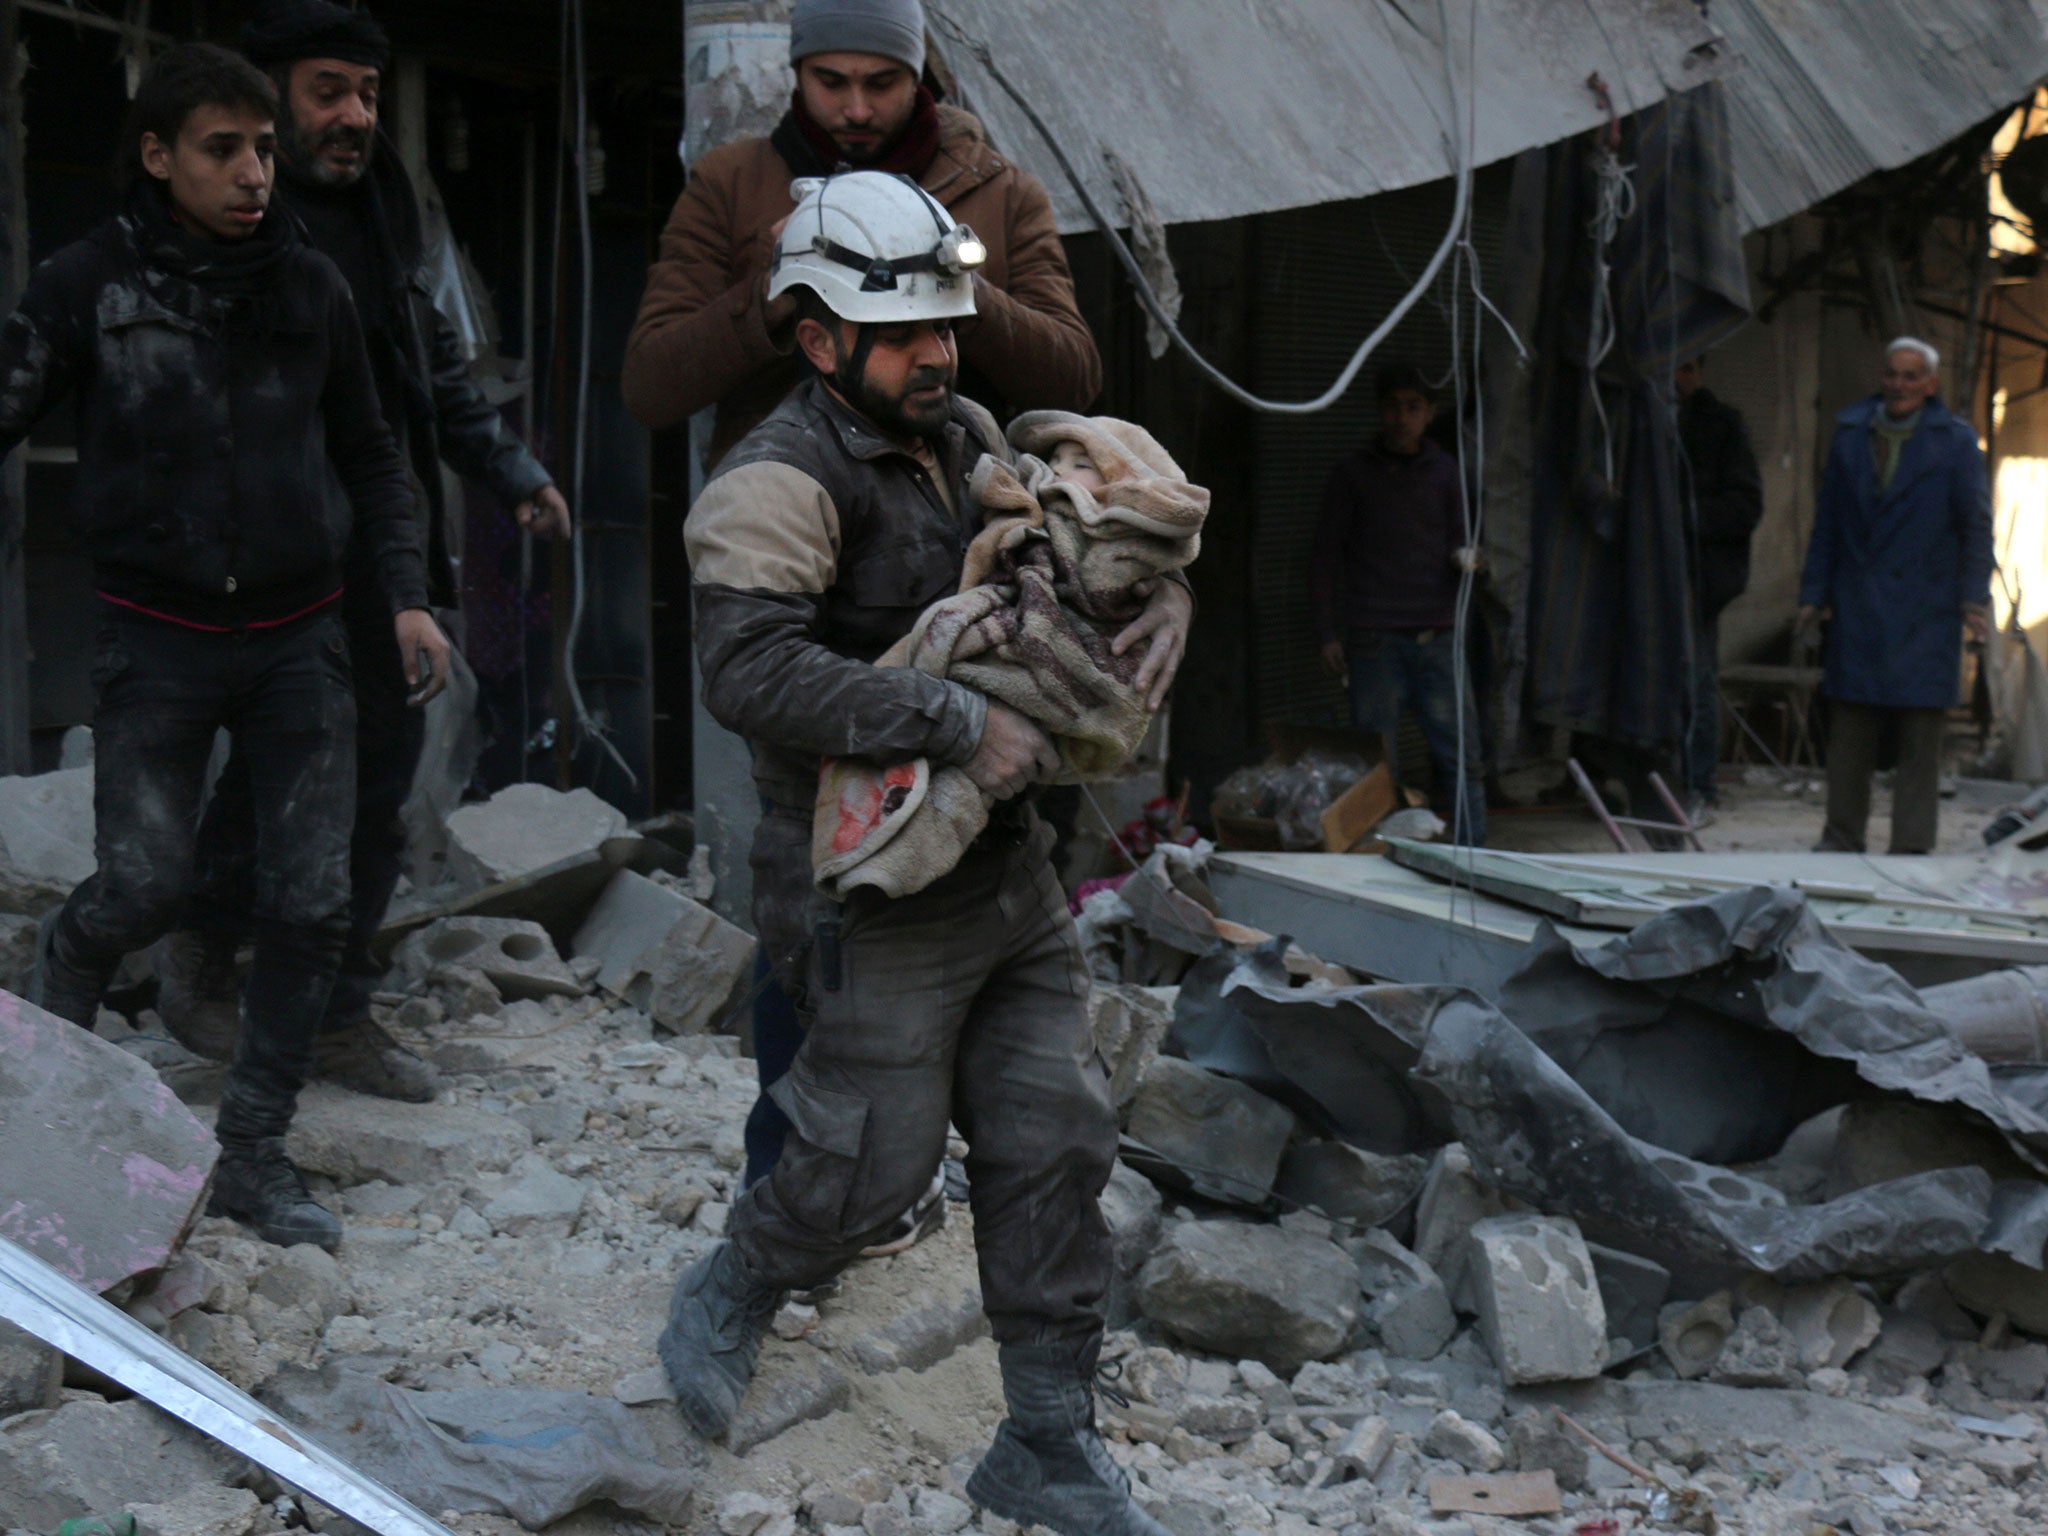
(808, 150)
(236, 278)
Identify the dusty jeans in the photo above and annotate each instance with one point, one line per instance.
(389, 737)
(966, 1001)
(285, 697)
(1392, 670)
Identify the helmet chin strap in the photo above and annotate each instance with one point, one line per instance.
(856, 364)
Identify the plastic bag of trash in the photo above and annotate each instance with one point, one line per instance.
(1312, 782)
(1251, 792)
(531, 1454)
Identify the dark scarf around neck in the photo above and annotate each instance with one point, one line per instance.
(810, 151)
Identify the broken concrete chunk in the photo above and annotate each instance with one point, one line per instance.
(1407, 1302)
(201, 1512)
(1759, 1353)
(1991, 1283)
(630, 922)
(1542, 1444)
(1226, 1138)
(101, 1167)
(699, 969)
(1349, 1183)
(526, 828)
(17, 950)
(1452, 1437)
(1633, 1289)
(1365, 1450)
(89, 1458)
(1132, 1206)
(1254, 1291)
(46, 830)
(1128, 1024)
(308, 1279)
(31, 1372)
(1830, 1323)
(537, 1200)
(1453, 1201)
(517, 957)
(1539, 1308)
(352, 1139)
(1692, 1332)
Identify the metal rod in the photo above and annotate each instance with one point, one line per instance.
(1682, 822)
(1599, 806)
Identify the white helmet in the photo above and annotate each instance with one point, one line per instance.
(878, 249)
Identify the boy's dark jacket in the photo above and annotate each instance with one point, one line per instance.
(229, 435)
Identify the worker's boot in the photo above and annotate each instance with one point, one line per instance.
(364, 1058)
(1048, 1465)
(199, 992)
(715, 1322)
(57, 986)
(255, 1183)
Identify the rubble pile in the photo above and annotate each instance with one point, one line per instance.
(1314, 1329)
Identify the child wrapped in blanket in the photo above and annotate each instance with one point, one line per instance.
(1075, 537)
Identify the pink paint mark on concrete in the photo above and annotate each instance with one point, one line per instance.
(150, 1179)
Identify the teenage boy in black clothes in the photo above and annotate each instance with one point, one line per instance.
(229, 440)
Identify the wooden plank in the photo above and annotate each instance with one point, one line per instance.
(1496, 1493)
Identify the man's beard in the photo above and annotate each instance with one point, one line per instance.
(894, 414)
(304, 158)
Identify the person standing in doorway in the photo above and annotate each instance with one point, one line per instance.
(1390, 553)
(1899, 566)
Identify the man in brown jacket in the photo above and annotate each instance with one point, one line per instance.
(707, 333)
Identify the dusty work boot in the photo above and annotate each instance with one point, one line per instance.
(255, 1183)
(199, 992)
(364, 1058)
(1048, 1465)
(715, 1322)
(57, 987)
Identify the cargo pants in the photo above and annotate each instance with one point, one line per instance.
(964, 1002)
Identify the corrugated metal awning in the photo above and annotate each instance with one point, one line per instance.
(1233, 107)
(1824, 92)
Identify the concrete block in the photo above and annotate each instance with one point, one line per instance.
(516, 956)
(1452, 1203)
(1128, 1023)
(91, 1458)
(46, 828)
(1539, 1306)
(1407, 1302)
(1258, 1292)
(1692, 1332)
(524, 829)
(626, 927)
(536, 1200)
(1226, 1138)
(699, 970)
(1633, 1289)
(1350, 1184)
(1225, 1420)
(352, 1139)
(1830, 1323)
(101, 1167)
(1365, 1450)
(1541, 1443)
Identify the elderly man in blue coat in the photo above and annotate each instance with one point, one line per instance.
(1900, 564)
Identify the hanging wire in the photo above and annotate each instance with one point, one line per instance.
(587, 729)
(1462, 161)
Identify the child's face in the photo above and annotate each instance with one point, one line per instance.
(1070, 462)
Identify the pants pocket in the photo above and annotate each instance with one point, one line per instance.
(817, 1177)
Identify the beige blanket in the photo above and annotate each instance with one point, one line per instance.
(1055, 574)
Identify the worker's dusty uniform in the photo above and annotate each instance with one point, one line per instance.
(814, 547)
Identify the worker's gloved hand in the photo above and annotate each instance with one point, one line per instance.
(1013, 753)
(1164, 623)
(424, 650)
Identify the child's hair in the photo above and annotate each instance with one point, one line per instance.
(183, 79)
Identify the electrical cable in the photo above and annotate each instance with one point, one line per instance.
(1462, 162)
(587, 729)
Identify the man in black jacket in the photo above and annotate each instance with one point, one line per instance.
(350, 191)
(1728, 502)
(230, 455)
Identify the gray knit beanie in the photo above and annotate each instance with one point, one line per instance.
(892, 28)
